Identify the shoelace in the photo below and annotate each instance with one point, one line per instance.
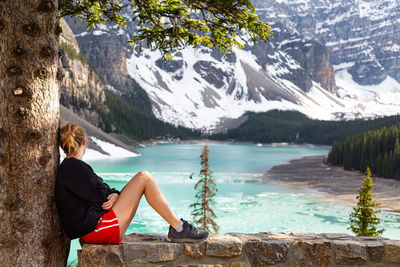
(190, 224)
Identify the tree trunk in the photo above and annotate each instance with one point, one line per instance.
(30, 230)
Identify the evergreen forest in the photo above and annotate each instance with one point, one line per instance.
(378, 149)
(295, 127)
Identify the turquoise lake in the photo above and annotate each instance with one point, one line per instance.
(244, 203)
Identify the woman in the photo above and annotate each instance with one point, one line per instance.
(90, 209)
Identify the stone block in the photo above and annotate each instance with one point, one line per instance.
(271, 235)
(375, 251)
(267, 252)
(336, 236)
(194, 250)
(304, 235)
(369, 238)
(312, 253)
(350, 252)
(393, 251)
(245, 237)
(100, 256)
(226, 246)
(201, 265)
(145, 237)
(149, 252)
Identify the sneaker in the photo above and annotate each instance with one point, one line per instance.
(189, 233)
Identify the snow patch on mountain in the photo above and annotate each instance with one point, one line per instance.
(366, 32)
(368, 100)
(201, 88)
(193, 102)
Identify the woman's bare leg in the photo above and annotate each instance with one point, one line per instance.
(126, 205)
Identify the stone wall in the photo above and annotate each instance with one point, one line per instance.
(240, 250)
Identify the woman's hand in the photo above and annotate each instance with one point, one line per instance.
(111, 200)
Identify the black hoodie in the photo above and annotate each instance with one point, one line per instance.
(80, 193)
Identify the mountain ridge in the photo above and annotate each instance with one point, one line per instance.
(202, 89)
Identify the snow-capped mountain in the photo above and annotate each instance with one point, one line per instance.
(198, 88)
(364, 34)
(363, 38)
(328, 59)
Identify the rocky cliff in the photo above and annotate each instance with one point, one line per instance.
(101, 91)
(363, 34)
(188, 89)
(82, 90)
(82, 95)
(313, 58)
(328, 59)
(107, 51)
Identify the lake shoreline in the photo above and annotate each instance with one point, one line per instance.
(333, 182)
(196, 141)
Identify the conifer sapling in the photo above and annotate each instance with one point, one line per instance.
(363, 219)
(203, 213)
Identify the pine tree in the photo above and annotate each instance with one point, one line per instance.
(396, 149)
(386, 165)
(396, 159)
(348, 155)
(203, 213)
(363, 219)
(363, 156)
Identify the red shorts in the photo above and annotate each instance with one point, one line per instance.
(106, 232)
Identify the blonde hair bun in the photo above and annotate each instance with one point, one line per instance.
(71, 138)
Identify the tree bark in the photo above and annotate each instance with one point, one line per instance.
(30, 231)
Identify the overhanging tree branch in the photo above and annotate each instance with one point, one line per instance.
(169, 25)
